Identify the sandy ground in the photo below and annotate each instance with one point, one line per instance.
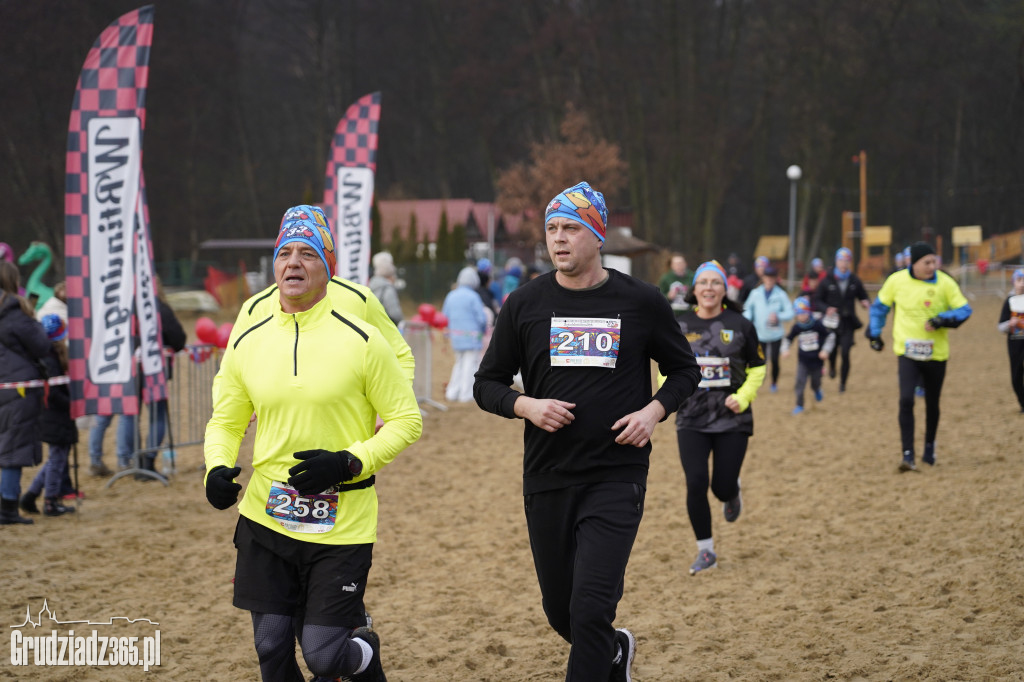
(840, 567)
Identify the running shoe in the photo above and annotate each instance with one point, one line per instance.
(705, 559)
(842, 388)
(733, 507)
(929, 454)
(374, 672)
(622, 668)
(819, 396)
(908, 461)
(831, 372)
(774, 389)
(798, 409)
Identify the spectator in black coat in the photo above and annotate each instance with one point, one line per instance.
(23, 345)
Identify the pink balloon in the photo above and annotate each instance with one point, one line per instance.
(427, 312)
(440, 320)
(223, 334)
(206, 330)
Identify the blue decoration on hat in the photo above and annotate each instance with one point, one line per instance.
(802, 305)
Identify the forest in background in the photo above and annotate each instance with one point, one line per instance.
(707, 101)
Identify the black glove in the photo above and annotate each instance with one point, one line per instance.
(321, 469)
(876, 343)
(221, 490)
(938, 322)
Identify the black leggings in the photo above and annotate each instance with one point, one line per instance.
(771, 355)
(328, 650)
(1016, 350)
(929, 374)
(728, 450)
(844, 342)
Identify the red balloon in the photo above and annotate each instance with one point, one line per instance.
(206, 330)
(440, 320)
(223, 334)
(427, 312)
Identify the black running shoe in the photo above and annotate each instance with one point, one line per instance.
(622, 668)
(374, 672)
(908, 461)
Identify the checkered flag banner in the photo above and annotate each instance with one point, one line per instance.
(109, 265)
(348, 189)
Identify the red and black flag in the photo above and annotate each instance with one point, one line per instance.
(114, 326)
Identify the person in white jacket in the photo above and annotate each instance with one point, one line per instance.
(768, 307)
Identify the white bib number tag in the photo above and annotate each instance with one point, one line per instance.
(831, 321)
(714, 372)
(1016, 316)
(584, 342)
(919, 349)
(808, 341)
(302, 513)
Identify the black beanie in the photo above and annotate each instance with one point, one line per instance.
(919, 250)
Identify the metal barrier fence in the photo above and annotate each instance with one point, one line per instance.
(189, 407)
(996, 278)
(419, 336)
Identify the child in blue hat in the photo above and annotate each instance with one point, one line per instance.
(814, 343)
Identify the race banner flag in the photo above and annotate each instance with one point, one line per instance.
(348, 189)
(149, 333)
(103, 207)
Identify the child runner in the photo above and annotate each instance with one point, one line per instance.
(1011, 323)
(717, 419)
(56, 427)
(814, 343)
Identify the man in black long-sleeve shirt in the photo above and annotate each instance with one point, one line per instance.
(583, 338)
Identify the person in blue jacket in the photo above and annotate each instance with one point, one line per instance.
(467, 322)
(768, 307)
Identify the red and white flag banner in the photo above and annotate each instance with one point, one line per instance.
(108, 253)
(348, 189)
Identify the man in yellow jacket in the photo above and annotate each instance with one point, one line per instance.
(316, 376)
(928, 303)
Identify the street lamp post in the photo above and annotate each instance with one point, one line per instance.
(793, 173)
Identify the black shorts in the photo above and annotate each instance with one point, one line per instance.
(322, 584)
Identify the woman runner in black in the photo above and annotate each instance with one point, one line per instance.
(717, 419)
(1011, 323)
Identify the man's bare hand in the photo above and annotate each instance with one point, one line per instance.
(638, 426)
(547, 413)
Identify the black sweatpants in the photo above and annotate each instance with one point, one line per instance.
(727, 450)
(913, 373)
(581, 538)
